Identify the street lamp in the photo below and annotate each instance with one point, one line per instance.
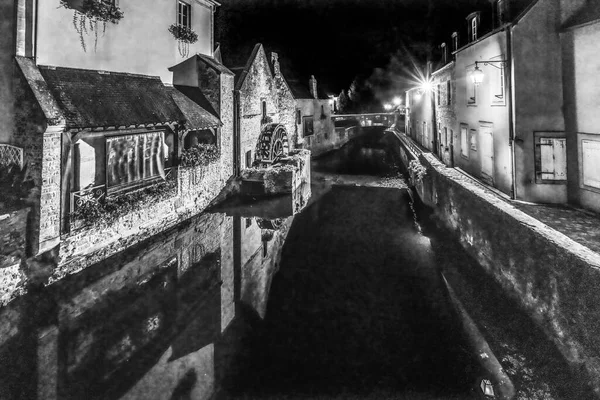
(477, 74)
(387, 106)
(397, 101)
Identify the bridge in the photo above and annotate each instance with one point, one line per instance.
(373, 119)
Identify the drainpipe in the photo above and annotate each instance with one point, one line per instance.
(511, 119)
(236, 133)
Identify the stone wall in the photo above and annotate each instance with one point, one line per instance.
(197, 187)
(444, 112)
(227, 119)
(553, 278)
(13, 226)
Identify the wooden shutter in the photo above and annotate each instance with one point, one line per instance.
(591, 162)
(553, 157)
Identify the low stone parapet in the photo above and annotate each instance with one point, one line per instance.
(552, 277)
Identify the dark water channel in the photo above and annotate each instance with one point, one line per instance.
(342, 300)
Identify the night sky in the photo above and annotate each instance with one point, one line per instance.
(340, 40)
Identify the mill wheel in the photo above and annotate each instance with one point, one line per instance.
(272, 143)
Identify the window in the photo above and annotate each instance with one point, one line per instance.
(439, 94)
(464, 146)
(248, 222)
(471, 89)
(473, 25)
(308, 126)
(590, 165)
(550, 159)
(446, 136)
(184, 14)
(298, 117)
(473, 139)
(454, 41)
(497, 83)
(500, 12)
(132, 159)
(474, 29)
(249, 159)
(448, 92)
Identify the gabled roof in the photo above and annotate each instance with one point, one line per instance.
(198, 112)
(242, 70)
(588, 14)
(211, 61)
(91, 99)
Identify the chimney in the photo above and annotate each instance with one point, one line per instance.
(313, 86)
(275, 61)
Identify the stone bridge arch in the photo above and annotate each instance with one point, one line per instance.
(273, 143)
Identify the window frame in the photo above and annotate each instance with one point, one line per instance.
(474, 29)
(471, 86)
(585, 137)
(538, 136)
(465, 144)
(179, 15)
(305, 122)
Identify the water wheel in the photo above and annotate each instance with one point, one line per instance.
(272, 143)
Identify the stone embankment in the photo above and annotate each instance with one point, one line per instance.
(551, 277)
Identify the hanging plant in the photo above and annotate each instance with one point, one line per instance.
(88, 14)
(185, 36)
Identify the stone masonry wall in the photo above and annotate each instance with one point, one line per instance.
(13, 227)
(552, 277)
(445, 114)
(197, 188)
(227, 128)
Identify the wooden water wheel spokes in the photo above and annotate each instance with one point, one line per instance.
(272, 143)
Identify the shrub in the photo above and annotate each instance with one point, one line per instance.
(200, 154)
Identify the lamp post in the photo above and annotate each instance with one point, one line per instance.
(477, 74)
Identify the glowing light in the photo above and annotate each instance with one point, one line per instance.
(477, 76)
(397, 101)
(387, 106)
(426, 86)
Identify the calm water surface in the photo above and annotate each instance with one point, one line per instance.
(341, 300)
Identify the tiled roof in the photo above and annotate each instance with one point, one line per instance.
(198, 112)
(588, 14)
(300, 90)
(215, 64)
(90, 98)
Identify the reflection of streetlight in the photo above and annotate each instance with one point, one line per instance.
(397, 101)
(387, 106)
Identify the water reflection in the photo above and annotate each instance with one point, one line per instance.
(253, 300)
(150, 322)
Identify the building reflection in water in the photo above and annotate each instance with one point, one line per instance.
(165, 319)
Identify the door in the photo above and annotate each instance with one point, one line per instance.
(487, 151)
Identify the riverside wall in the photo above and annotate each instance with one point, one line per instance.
(550, 276)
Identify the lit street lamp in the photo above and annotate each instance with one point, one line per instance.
(397, 101)
(477, 74)
(387, 106)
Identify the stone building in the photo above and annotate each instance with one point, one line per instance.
(314, 110)
(263, 107)
(118, 147)
(444, 87)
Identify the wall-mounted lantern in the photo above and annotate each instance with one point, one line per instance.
(477, 74)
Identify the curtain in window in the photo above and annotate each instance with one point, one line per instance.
(134, 158)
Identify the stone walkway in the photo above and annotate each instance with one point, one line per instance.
(581, 226)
